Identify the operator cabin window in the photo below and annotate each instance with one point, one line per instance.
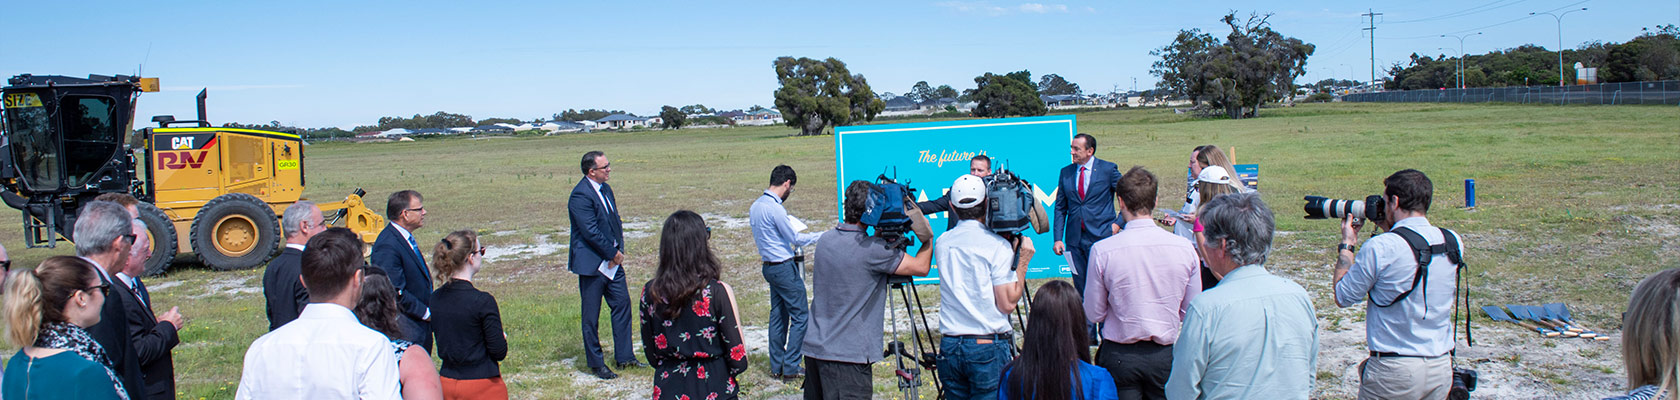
(91, 136)
(33, 142)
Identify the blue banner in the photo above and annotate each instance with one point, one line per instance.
(930, 156)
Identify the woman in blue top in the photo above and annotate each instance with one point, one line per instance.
(46, 311)
(1055, 341)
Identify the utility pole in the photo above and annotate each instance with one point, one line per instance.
(1461, 55)
(1373, 14)
(1559, 18)
(1459, 70)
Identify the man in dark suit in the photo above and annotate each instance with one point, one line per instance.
(597, 257)
(104, 234)
(980, 166)
(153, 336)
(399, 254)
(283, 280)
(1084, 205)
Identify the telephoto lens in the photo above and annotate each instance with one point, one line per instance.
(1320, 207)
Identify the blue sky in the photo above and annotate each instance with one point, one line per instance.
(317, 64)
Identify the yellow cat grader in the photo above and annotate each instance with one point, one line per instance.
(68, 140)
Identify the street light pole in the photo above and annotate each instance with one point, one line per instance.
(1460, 71)
(1462, 55)
(1559, 18)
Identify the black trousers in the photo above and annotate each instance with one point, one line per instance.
(835, 380)
(594, 289)
(1140, 370)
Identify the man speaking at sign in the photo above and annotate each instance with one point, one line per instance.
(1084, 205)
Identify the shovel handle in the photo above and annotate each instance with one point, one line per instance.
(1543, 331)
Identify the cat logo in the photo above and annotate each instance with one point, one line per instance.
(181, 159)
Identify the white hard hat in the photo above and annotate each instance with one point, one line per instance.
(968, 191)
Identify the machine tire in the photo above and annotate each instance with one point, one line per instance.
(164, 245)
(235, 231)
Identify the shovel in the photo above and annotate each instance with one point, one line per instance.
(1526, 314)
(1499, 315)
(1560, 312)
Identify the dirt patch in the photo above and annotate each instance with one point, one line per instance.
(231, 286)
(541, 248)
(726, 222)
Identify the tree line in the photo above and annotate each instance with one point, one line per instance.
(1651, 56)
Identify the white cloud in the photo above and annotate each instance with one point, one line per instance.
(987, 8)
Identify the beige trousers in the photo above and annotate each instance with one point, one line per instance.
(1406, 378)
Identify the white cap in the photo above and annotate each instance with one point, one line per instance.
(1214, 174)
(968, 191)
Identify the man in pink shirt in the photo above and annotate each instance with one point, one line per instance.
(1140, 284)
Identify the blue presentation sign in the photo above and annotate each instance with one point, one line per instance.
(930, 156)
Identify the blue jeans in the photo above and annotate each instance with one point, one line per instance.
(788, 312)
(970, 370)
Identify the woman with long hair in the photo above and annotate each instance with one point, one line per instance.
(467, 322)
(378, 310)
(47, 312)
(1212, 156)
(1651, 338)
(1055, 342)
(691, 333)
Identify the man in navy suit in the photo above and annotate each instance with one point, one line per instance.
(1084, 205)
(399, 254)
(597, 257)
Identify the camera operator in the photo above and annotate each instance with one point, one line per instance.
(980, 166)
(1407, 323)
(977, 291)
(848, 307)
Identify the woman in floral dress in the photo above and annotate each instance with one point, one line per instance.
(690, 332)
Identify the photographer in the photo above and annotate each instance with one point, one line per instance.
(978, 288)
(1407, 318)
(848, 307)
(980, 166)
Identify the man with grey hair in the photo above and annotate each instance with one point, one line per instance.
(282, 281)
(103, 233)
(1254, 335)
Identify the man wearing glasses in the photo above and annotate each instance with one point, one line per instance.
(396, 251)
(103, 233)
(597, 257)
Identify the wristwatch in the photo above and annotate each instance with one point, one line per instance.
(1345, 246)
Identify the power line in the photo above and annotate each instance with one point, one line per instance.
(1465, 12)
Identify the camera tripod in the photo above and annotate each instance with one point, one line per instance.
(907, 366)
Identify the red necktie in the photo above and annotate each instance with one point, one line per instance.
(1082, 183)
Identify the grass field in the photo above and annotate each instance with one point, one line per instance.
(1576, 204)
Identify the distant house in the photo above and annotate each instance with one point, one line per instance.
(760, 118)
(562, 126)
(523, 127)
(461, 129)
(369, 134)
(489, 129)
(621, 121)
(733, 116)
(901, 103)
(431, 131)
(399, 132)
(1061, 100)
(937, 104)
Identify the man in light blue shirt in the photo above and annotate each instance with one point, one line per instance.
(1254, 335)
(1409, 335)
(777, 240)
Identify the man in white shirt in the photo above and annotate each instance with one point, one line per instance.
(977, 291)
(326, 353)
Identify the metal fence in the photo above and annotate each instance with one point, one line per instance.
(1658, 92)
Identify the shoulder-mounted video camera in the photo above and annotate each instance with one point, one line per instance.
(1010, 205)
(884, 210)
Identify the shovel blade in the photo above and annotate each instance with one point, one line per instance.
(1497, 314)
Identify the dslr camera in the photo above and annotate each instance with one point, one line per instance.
(1320, 207)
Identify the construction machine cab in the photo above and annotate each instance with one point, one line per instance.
(64, 144)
